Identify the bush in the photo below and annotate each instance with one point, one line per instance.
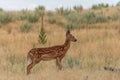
(73, 20)
(23, 15)
(77, 62)
(5, 17)
(69, 26)
(60, 10)
(88, 17)
(49, 14)
(51, 20)
(63, 11)
(100, 6)
(70, 62)
(101, 17)
(114, 17)
(78, 8)
(76, 20)
(32, 18)
(25, 27)
(67, 12)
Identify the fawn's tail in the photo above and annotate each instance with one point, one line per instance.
(28, 59)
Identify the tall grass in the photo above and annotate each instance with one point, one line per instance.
(15, 64)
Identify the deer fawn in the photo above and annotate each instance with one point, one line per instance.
(35, 55)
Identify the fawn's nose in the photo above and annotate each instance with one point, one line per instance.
(75, 40)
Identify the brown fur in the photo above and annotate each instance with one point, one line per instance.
(35, 55)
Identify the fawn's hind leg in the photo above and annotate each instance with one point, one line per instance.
(29, 67)
(58, 63)
(33, 63)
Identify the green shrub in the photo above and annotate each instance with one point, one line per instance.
(69, 26)
(5, 17)
(51, 20)
(88, 17)
(70, 62)
(60, 10)
(77, 62)
(23, 15)
(32, 18)
(95, 7)
(66, 12)
(63, 11)
(101, 17)
(25, 27)
(76, 20)
(78, 8)
(114, 17)
(100, 6)
(50, 14)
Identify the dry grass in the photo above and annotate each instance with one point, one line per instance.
(94, 49)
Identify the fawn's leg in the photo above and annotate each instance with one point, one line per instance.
(58, 63)
(30, 66)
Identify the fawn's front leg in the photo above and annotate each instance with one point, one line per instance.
(58, 63)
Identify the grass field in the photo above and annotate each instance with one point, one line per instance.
(85, 60)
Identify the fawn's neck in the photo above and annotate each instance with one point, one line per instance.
(66, 44)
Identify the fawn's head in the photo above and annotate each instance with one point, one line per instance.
(70, 37)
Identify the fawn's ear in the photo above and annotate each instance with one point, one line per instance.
(68, 32)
